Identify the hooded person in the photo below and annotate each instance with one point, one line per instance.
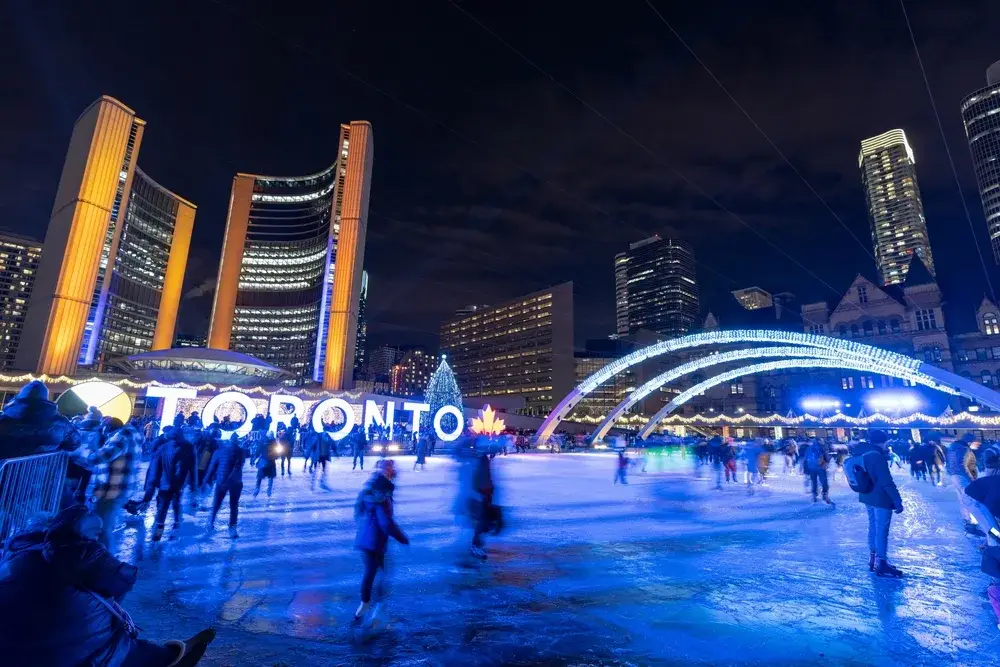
(31, 424)
(63, 593)
(373, 512)
(881, 500)
(115, 467)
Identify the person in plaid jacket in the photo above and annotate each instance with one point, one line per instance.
(115, 467)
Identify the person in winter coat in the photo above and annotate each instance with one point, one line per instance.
(31, 424)
(194, 420)
(881, 502)
(621, 468)
(287, 440)
(321, 447)
(115, 471)
(422, 445)
(170, 470)
(358, 444)
(816, 462)
(267, 463)
(962, 468)
(62, 591)
(226, 472)
(179, 420)
(373, 514)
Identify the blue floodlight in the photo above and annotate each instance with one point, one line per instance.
(894, 401)
(820, 403)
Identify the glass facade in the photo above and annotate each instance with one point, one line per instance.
(18, 266)
(662, 287)
(287, 271)
(621, 293)
(131, 305)
(895, 209)
(981, 116)
(91, 333)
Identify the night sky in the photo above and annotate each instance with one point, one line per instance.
(490, 179)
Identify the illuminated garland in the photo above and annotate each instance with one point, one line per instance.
(879, 418)
(125, 382)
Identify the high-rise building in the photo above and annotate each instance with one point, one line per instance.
(621, 293)
(895, 209)
(381, 360)
(18, 266)
(410, 375)
(290, 277)
(981, 115)
(753, 298)
(362, 338)
(523, 347)
(188, 340)
(662, 286)
(109, 281)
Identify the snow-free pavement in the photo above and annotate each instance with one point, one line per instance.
(664, 571)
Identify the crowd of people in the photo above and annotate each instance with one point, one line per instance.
(72, 555)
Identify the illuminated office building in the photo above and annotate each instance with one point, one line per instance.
(753, 298)
(981, 116)
(621, 293)
(290, 278)
(895, 209)
(362, 338)
(523, 347)
(662, 286)
(18, 266)
(109, 281)
(410, 376)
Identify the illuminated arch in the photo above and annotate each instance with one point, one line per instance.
(732, 337)
(646, 389)
(875, 359)
(853, 364)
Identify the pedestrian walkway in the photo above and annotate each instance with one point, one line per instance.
(662, 571)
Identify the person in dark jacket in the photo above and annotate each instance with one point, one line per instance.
(267, 466)
(179, 420)
(226, 472)
(621, 468)
(170, 470)
(320, 448)
(287, 440)
(881, 502)
(421, 452)
(62, 590)
(358, 444)
(31, 424)
(194, 420)
(373, 514)
(816, 461)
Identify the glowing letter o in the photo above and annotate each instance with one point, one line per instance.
(230, 396)
(459, 417)
(339, 404)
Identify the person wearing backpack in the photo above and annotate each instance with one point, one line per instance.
(868, 474)
(816, 461)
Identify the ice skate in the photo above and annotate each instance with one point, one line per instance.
(190, 651)
(232, 533)
(871, 561)
(884, 569)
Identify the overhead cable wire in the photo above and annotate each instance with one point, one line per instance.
(759, 129)
(947, 149)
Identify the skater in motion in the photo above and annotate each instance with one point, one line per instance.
(621, 468)
(358, 445)
(373, 514)
(422, 446)
(226, 471)
(320, 456)
(267, 466)
(817, 460)
(170, 470)
(868, 474)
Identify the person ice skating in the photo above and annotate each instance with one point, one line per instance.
(621, 468)
(894, 459)
(373, 513)
(962, 468)
(422, 445)
(881, 501)
(715, 455)
(729, 461)
(62, 593)
(320, 448)
(115, 467)
(816, 461)
(358, 444)
(170, 470)
(936, 461)
(267, 467)
(226, 472)
(286, 443)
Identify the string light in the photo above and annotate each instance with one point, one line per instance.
(807, 419)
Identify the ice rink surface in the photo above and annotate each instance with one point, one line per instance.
(664, 571)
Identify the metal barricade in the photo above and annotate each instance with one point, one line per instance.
(29, 486)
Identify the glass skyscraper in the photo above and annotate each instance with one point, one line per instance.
(895, 210)
(661, 288)
(18, 265)
(981, 116)
(112, 267)
(290, 277)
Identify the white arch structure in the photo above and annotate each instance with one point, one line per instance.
(645, 390)
(834, 352)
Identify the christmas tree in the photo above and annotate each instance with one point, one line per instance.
(442, 390)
